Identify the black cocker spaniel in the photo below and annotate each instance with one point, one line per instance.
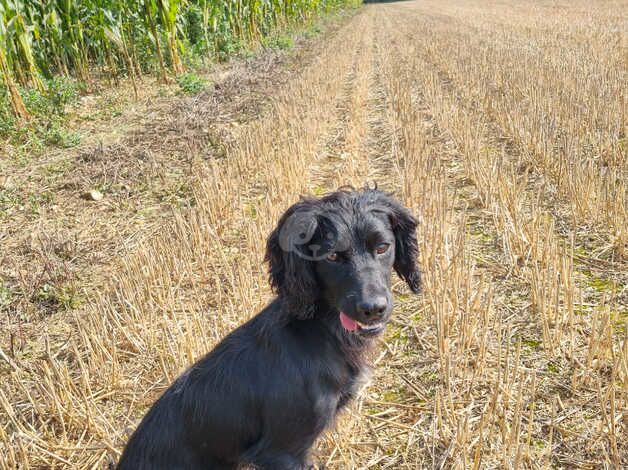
(271, 387)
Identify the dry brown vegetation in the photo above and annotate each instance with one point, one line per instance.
(502, 125)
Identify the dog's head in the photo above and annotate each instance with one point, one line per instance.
(339, 250)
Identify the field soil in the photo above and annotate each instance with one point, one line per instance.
(490, 120)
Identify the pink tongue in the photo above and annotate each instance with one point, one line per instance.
(348, 323)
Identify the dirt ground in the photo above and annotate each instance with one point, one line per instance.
(516, 353)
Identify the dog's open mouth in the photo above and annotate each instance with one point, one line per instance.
(355, 326)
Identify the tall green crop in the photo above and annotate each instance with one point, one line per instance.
(41, 39)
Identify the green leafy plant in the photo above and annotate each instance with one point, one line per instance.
(64, 297)
(279, 41)
(191, 83)
(61, 136)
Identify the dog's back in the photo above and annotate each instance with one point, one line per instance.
(261, 396)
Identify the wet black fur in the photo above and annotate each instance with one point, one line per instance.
(269, 389)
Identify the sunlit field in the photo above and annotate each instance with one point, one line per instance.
(501, 124)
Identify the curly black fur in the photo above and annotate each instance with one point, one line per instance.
(271, 387)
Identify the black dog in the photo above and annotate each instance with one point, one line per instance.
(269, 389)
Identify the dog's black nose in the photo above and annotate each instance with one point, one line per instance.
(374, 308)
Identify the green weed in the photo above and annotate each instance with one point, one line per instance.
(191, 84)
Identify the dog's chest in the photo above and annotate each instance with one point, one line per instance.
(356, 380)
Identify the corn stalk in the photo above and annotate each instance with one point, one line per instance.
(114, 33)
(150, 11)
(17, 104)
(169, 10)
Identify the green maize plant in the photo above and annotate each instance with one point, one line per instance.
(6, 72)
(113, 32)
(18, 51)
(169, 10)
(84, 39)
(149, 17)
(73, 15)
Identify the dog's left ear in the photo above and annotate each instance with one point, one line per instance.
(406, 246)
(292, 276)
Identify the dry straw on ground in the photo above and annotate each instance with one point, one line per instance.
(502, 126)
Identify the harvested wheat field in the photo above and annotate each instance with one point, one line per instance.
(501, 124)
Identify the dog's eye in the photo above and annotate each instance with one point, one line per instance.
(382, 248)
(332, 256)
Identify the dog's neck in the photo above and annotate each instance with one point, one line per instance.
(325, 320)
(323, 316)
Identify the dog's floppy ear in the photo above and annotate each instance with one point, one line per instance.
(291, 275)
(406, 246)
